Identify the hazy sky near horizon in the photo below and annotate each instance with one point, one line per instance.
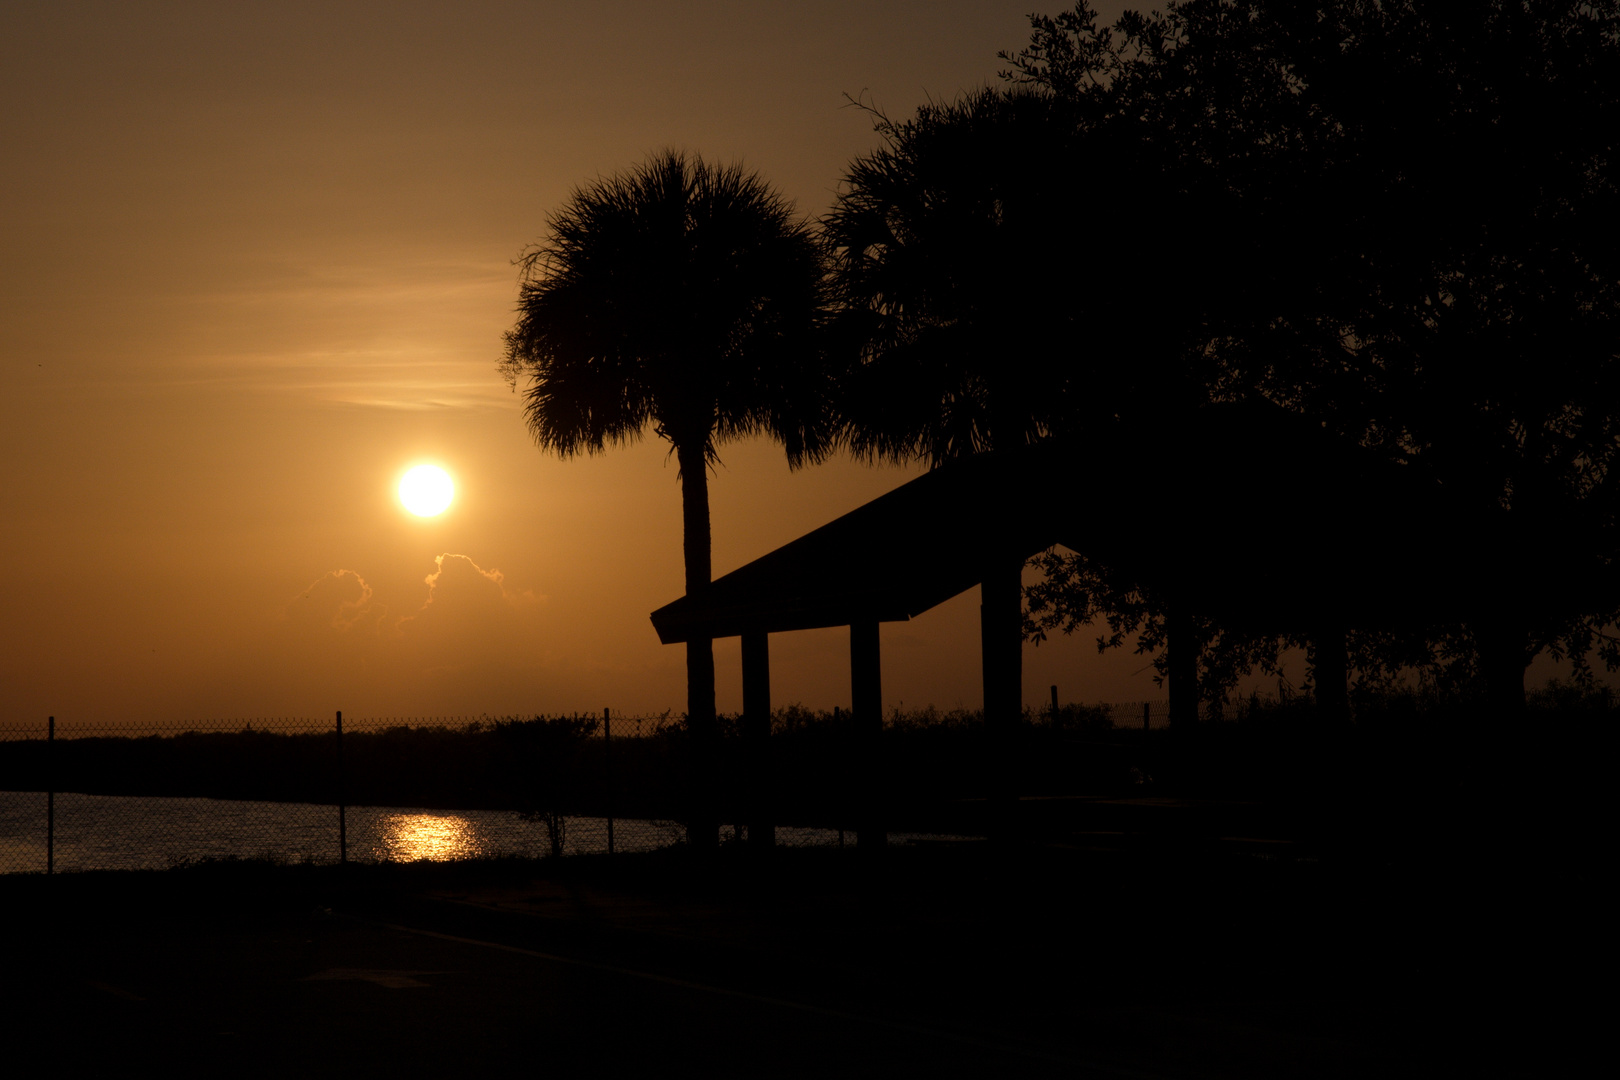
(259, 260)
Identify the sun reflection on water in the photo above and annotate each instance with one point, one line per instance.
(429, 836)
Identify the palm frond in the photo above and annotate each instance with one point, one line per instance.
(679, 294)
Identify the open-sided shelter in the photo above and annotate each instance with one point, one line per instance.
(1243, 514)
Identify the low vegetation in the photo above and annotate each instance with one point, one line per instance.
(1404, 754)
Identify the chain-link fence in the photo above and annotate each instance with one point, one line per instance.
(82, 797)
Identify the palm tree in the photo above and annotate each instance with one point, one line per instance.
(684, 297)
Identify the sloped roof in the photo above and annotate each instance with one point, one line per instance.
(891, 559)
(1243, 511)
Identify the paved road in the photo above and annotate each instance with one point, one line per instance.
(335, 995)
(938, 970)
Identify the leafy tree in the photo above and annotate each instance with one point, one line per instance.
(1422, 206)
(931, 237)
(1078, 591)
(684, 297)
(1016, 268)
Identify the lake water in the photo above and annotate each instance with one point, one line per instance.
(121, 832)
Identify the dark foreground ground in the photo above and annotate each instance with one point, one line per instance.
(955, 960)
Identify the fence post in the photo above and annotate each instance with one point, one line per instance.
(50, 796)
(1145, 707)
(1054, 705)
(343, 831)
(607, 769)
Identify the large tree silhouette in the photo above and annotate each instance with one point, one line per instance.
(956, 250)
(919, 235)
(684, 297)
(932, 237)
(1421, 201)
(1003, 257)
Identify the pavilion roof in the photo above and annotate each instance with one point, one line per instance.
(1244, 512)
(891, 559)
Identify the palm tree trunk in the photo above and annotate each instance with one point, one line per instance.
(703, 824)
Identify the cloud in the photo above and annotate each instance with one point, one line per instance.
(339, 599)
(465, 637)
(456, 577)
(464, 596)
(471, 617)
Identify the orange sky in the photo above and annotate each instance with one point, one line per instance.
(258, 261)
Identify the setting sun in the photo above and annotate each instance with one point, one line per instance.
(426, 490)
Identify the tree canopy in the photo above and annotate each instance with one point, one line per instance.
(678, 295)
(1416, 206)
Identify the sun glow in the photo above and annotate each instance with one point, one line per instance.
(426, 490)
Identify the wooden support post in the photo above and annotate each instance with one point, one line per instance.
(866, 705)
(1054, 706)
(761, 781)
(703, 746)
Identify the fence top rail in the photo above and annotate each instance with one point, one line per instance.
(622, 725)
(625, 725)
